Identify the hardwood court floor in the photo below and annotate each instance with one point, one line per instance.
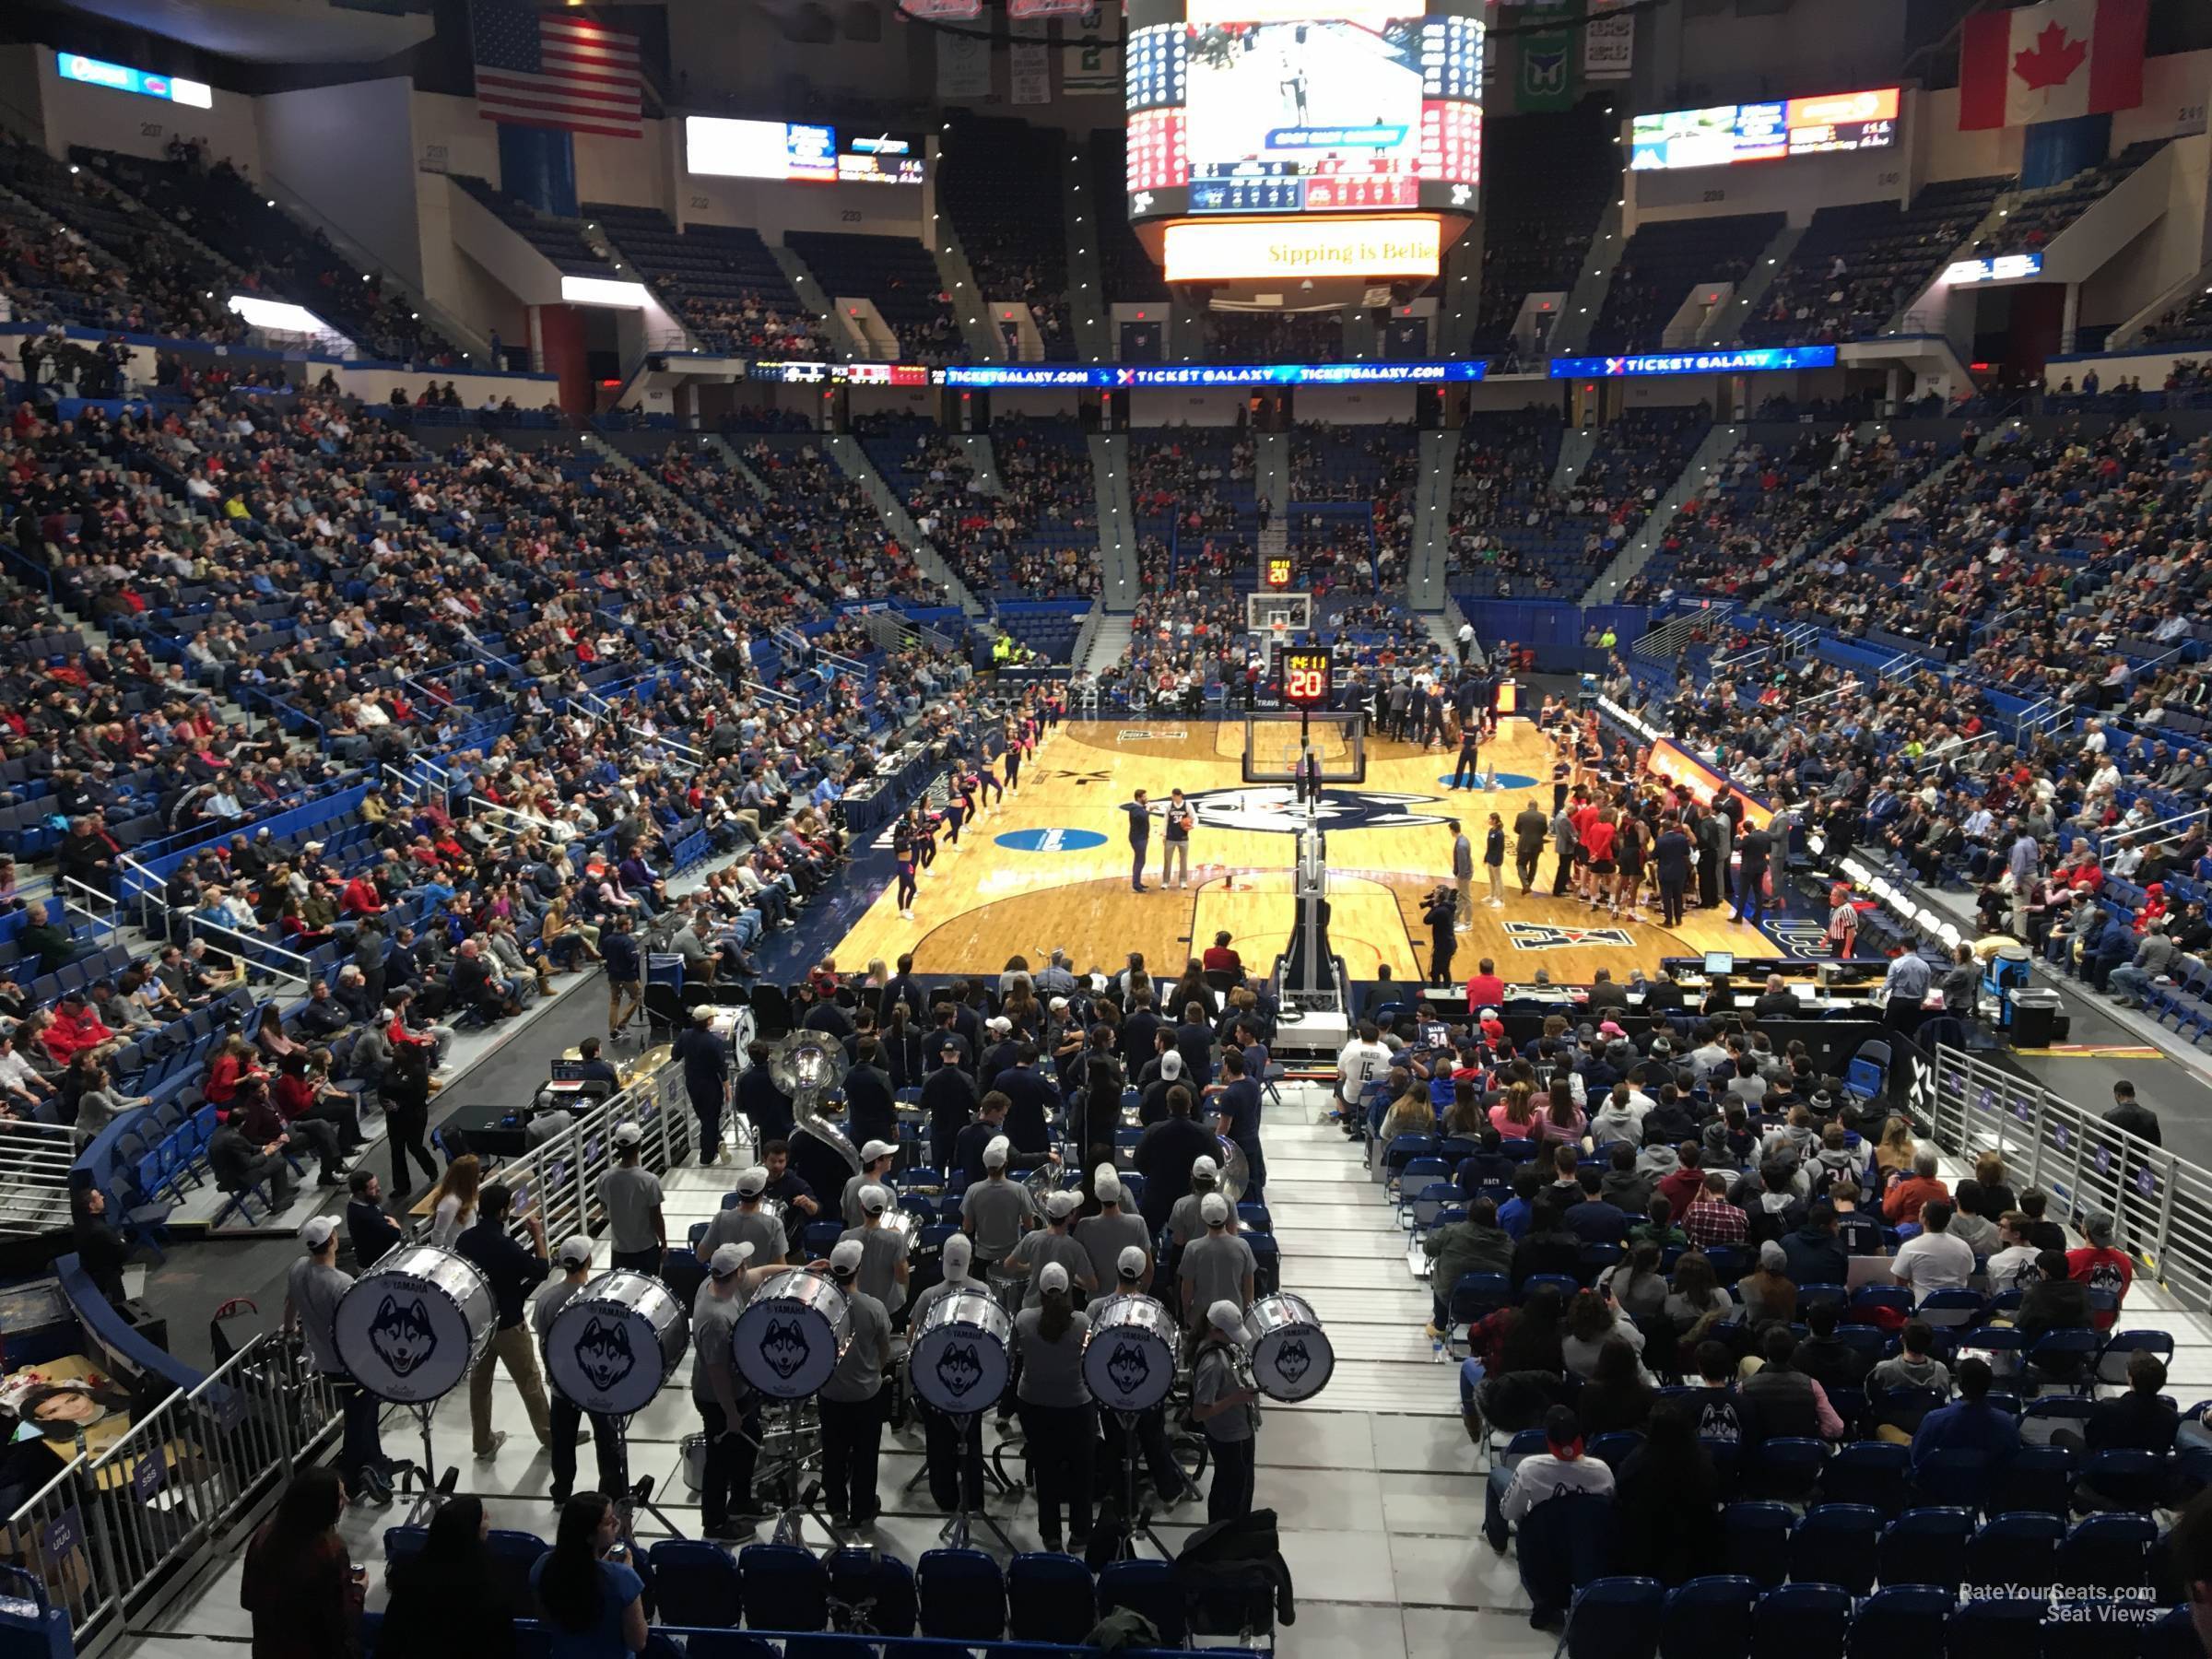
(1064, 880)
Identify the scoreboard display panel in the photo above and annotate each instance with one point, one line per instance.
(1268, 107)
(1307, 674)
(1772, 131)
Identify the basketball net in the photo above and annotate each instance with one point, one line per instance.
(1279, 630)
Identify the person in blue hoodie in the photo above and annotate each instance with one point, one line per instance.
(1971, 1424)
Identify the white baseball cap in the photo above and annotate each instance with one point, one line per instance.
(1226, 1317)
(1131, 1262)
(1106, 1184)
(1213, 1207)
(1206, 1166)
(1052, 1277)
(575, 1251)
(996, 1151)
(959, 1252)
(1057, 1205)
(627, 1135)
(876, 1149)
(751, 1182)
(728, 1259)
(844, 1261)
(317, 1231)
(1170, 1066)
(998, 1022)
(875, 1199)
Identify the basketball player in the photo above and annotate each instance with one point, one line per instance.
(1175, 846)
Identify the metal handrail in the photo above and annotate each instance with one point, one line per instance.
(2160, 1203)
(251, 952)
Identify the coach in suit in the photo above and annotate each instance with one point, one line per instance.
(1531, 830)
(1713, 858)
(1670, 863)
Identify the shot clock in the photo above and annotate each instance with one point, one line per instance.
(1307, 677)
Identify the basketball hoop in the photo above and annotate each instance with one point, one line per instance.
(1279, 630)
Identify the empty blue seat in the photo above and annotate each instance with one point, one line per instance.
(1616, 1618)
(1708, 1618)
(1801, 1622)
(1756, 1541)
(694, 1583)
(1834, 1544)
(962, 1594)
(1050, 1597)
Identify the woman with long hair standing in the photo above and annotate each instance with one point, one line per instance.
(589, 1594)
(445, 1598)
(298, 1583)
(1057, 1414)
(407, 1092)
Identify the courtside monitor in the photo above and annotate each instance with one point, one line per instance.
(1720, 963)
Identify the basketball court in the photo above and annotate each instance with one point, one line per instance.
(1051, 867)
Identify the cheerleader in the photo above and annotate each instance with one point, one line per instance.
(924, 831)
(1015, 737)
(985, 778)
(955, 814)
(903, 857)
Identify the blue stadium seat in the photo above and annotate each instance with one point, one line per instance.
(962, 1594)
(694, 1583)
(1614, 1617)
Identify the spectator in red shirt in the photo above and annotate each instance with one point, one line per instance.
(75, 1029)
(360, 898)
(2101, 1268)
(1684, 1182)
(1220, 959)
(1908, 1197)
(233, 1064)
(1485, 989)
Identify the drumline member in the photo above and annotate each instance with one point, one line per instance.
(1225, 1407)
(1218, 1267)
(1052, 1243)
(1133, 1276)
(1107, 1235)
(729, 1414)
(875, 1161)
(311, 1292)
(632, 1197)
(883, 1270)
(942, 1446)
(801, 1204)
(575, 1259)
(995, 1211)
(1184, 1222)
(1058, 1417)
(745, 1222)
(852, 1402)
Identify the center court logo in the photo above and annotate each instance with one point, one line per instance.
(1274, 808)
(1552, 935)
(1050, 840)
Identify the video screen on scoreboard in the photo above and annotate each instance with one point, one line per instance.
(1727, 133)
(800, 152)
(1264, 107)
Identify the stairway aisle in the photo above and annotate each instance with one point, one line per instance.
(1378, 1490)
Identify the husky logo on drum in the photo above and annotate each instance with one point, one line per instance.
(1129, 1366)
(785, 1347)
(603, 1354)
(1291, 1362)
(960, 1368)
(401, 1335)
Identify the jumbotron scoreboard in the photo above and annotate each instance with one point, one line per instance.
(1288, 140)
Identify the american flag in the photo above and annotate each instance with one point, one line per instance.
(554, 69)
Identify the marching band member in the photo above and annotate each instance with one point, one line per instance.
(311, 1293)
(1225, 1405)
(575, 1259)
(852, 1402)
(729, 1414)
(747, 1222)
(1057, 1413)
(955, 1458)
(1133, 1276)
(883, 1273)
(1052, 1243)
(1218, 1266)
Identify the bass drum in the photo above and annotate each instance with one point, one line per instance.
(614, 1342)
(962, 1355)
(413, 1327)
(1290, 1355)
(1129, 1355)
(792, 1335)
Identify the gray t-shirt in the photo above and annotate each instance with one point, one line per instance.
(849, 1204)
(631, 1195)
(546, 1306)
(1213, 1269)
(1105, 1237)
(932, 1296)
(997, 1211)
(1044, 1246)
(881, 1251)
(1212, 1376)
(315, 1288)
(764, 1232)
(859, 1374)
(1184, 1222)
(1051, 1373)
(713, 1325)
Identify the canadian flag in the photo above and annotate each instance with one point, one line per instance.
(2050, 61)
